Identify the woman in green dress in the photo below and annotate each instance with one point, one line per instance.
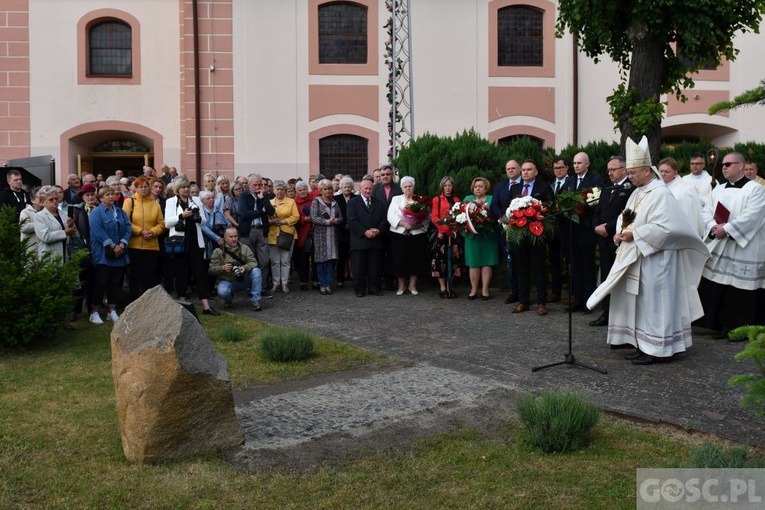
(481, 249)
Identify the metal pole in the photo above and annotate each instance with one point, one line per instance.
(411, 69)
(393, 109)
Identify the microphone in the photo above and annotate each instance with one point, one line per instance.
(625, 185)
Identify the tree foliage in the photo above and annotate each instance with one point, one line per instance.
(36, 294)
(751, 97)
(641, 37)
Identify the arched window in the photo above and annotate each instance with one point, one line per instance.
(344, 154)
(511, 140)
(110, 49)
(520, 36)
(342, 33)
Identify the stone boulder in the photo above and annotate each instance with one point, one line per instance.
(173, 390)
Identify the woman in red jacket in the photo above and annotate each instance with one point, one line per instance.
(447, 239)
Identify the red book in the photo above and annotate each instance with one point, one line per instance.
(721, 214)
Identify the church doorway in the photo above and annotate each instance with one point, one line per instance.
(108, 157)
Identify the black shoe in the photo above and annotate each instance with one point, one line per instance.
(644, 359)
(360, 294)
(303, 286)
(586, 311)
(573, 309)
(633, 354)
(512, 298)
(210, 311)
(722, 335)
(735, 339)
(615, 347)
(470, 298)
(600, 321)
(444, 294)
(377, 293)
(256, 307)
(485, 298)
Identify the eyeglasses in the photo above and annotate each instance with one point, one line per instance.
(729, 163)
(615, 169)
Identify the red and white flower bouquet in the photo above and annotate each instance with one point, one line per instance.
(526, 220)
(468, 216)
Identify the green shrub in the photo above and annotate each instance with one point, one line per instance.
(428, 158)
(233, 334)
(710, 455)
(557, 421)
(286, 345)
(754, 383)
(36, 294)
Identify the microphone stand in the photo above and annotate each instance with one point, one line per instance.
(569, 358)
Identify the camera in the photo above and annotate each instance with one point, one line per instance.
(195, 216)
(239, 272)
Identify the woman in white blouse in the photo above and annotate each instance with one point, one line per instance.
(408, 242)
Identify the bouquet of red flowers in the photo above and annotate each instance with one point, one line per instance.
(415, 212)
(525, 221)
(574, 204)
(469, 216)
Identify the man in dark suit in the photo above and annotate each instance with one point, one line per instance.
(499, 201)
(609, 208)
(384, 192)
(583, 239)
(367, 221)
(531, 256)
(386, 189)
(254, 209)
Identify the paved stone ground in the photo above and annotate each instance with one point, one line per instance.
(467, 362)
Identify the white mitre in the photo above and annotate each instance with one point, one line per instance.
(639, 155)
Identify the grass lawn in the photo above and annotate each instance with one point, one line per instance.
(60, 447)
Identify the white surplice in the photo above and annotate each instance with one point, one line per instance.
(689, 202)
(654, 280)
(702, 185)
(739, 258)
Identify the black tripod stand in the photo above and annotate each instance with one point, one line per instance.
(569, 358)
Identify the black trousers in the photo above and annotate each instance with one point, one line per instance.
(556, 265)
(365, 265)
(531, 258)
(193, 260)
(583, 268)
(108, 279)
(143, 271)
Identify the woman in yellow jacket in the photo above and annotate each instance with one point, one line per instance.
(147, 223)
(284, 220)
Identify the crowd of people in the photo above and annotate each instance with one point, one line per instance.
(683, 251)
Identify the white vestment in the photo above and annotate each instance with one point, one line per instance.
(689, 202)
(702, 183)
(654, 280)
(739, 258)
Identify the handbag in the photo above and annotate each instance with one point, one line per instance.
(77, 244)
(175, 245)
(284, 240)
(432, 237)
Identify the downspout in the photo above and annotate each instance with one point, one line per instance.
(197, 105)
(575, 112)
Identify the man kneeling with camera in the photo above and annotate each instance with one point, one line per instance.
(237, 269)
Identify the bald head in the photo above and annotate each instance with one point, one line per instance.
(581, 163)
